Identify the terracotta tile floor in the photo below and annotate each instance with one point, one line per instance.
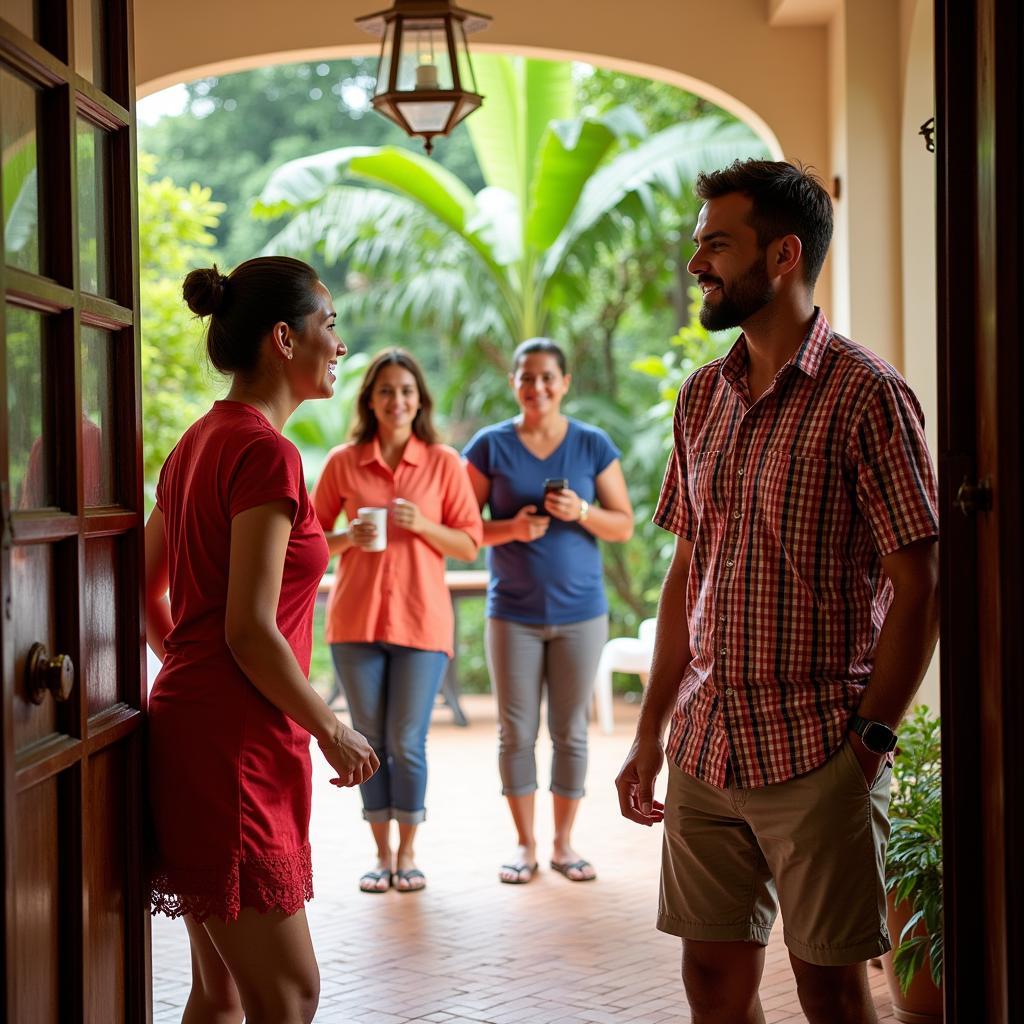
(468, 949)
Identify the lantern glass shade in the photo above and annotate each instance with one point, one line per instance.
(384, 63)
(466, 75)
(424, 63)
(424, 118)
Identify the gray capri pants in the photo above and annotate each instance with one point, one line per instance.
(521, 659)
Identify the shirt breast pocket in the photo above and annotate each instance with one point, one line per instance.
(793, 504)
(702, 473)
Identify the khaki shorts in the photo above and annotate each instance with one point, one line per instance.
(814, 845)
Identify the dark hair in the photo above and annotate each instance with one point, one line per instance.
(544, 346)
(788, 200)
(243, 306)
(365, 427)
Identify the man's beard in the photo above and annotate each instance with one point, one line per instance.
(746, 295)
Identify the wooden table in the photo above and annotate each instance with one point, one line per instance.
(461, 583)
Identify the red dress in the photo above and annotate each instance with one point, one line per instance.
(229, 774)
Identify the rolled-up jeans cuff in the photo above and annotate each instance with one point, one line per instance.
(519, 790)
(389, 813)
(568, 794)
(409, 817)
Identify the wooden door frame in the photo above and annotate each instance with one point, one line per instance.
(48, 63)
(980, 146)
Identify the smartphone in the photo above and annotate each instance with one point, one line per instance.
(557, 483)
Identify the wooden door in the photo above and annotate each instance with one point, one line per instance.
(980, 145)
(75, 933)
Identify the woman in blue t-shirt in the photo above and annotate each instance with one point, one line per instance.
(555, 487)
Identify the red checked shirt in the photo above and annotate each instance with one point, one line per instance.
(791, 502)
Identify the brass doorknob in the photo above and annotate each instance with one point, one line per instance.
(42, 673)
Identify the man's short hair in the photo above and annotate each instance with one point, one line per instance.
(788, 200)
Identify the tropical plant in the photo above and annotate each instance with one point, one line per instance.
(489, 269)
(21, 205)
(175, 226)
(914, 860)
(579, 232)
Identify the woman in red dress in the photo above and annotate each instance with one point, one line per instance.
(235, 542)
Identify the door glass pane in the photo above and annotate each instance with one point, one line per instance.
(98, 466)
(94, 257)
(23, 15)
(101, 670)
(29, 453)
(20, 104)
(89, 41)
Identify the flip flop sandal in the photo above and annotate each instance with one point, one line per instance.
(375, 877)
(519, 868)
(409, 876)
(576, 865)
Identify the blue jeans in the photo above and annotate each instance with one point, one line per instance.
(390, 692)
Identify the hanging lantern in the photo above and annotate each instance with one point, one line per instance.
(425, 81)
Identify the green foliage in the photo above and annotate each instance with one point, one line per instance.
(175, 235)
(236, 128)
(586, 175)
(580, 232)
(914, 859)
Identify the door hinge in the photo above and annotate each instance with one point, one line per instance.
(972, 498)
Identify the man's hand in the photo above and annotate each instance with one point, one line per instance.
(635, 781)
(870, 762)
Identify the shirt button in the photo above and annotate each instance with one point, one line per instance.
(729, 562)
(737, 514)
(721, 618)
(729, 691)
(739, 472)
(722, 652)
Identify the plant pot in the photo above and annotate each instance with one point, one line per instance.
(922, 1002)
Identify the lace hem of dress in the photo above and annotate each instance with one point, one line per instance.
(281, 882)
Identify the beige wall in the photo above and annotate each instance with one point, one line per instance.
(864, 101)
(918, 227)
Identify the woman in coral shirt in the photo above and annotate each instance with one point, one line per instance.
(389, 614)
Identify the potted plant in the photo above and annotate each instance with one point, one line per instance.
(914, 872)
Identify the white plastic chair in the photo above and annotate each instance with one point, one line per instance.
(623, 654)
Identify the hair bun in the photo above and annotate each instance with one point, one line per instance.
(203, 290)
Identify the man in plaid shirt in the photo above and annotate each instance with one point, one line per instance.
(796, 621)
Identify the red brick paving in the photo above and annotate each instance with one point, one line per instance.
(468, 949)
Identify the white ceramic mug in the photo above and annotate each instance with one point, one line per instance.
(379, 518)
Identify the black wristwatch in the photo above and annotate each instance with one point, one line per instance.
(876, 736)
